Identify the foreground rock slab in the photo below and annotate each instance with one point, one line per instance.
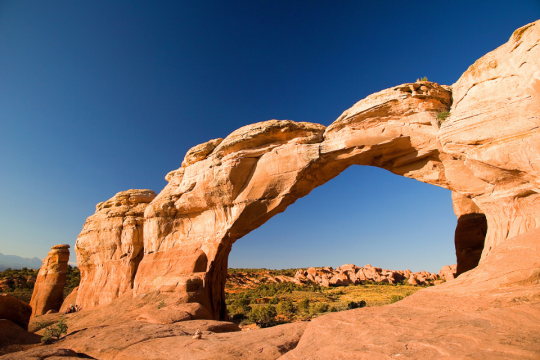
(492, 312)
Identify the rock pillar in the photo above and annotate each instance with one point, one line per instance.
(49, 288)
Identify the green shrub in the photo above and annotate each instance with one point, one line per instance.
(319, 308)
(442, 116)
(286, 308)
(333, 309)
(423, 78)
(263, 316)
(274, 301)
(395, 298)
(356, 305)
(38, 325)
(54, 331)
(304, 305)
(161, 304)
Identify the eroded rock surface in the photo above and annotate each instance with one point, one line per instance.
(487, 152)
(52, 276)
(110, 247)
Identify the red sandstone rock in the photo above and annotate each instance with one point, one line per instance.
(486, 152)
(14, 310)
(110, 247)
(448, 272)
(49, 287)
(490, 312)
(12, 334)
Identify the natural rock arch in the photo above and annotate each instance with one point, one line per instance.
(486, 152)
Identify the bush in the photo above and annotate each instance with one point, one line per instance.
(274, 301)
(423, 78)
(304, 305)
(442, 116)
(395, 298)
(356, 305)
(54, 331)
(161, 304)
(319, 308)
(333, 309)
(286, 308)
(42, 324)
(263, 316)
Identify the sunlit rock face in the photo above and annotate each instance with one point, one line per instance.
(486, 152)
(492, 137)
(52, 276)
(260, 169)
(110, 247)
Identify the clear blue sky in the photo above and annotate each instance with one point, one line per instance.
(98, 97)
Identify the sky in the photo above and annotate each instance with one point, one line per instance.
(98, 97)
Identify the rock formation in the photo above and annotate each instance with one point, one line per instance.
(14, 310)
(49, 287)
(110, 247)
(486, 151)
(342, 276)
(226, 188)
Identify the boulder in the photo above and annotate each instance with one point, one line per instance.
(15, 310)
(52, 276)
(448, 272)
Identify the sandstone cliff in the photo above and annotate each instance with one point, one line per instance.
(110, 247)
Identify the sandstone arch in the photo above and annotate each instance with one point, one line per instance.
(486, 152)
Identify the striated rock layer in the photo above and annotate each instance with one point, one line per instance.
(110, 247)
(52, 276)
(486, 152)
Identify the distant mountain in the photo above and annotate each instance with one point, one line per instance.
(17, 262)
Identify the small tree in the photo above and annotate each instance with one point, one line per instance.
(54, 331)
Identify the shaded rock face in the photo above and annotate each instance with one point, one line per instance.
(14, 310)
(469, 239)
(486, 152)
(52, 276)
(110, 247)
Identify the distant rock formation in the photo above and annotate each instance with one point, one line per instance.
(342, 276)
(49, 287)
(448, 272)
(351, 274)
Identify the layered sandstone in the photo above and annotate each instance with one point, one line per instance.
(486, 152)
(49, 287)
(110, 247)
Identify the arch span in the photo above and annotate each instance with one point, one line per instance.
(225, 189)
